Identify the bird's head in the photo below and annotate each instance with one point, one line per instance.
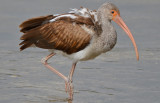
(111, 12)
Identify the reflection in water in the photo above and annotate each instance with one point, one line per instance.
(60, 100)
(69, 101)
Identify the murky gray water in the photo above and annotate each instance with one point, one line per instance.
(114, 77)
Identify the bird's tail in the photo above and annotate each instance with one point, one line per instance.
(30, 24)
(34, 22)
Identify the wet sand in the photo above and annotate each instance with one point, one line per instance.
(114, 77)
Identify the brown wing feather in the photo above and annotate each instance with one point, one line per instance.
(34, 22)
(60, 35)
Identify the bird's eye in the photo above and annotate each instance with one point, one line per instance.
(112, 12)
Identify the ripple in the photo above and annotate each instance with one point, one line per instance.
(13, 75)
(92, 91)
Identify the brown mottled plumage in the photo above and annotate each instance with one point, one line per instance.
(55, 35)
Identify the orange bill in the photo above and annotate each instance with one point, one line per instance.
(121, 23)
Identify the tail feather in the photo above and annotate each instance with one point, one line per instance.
(25, 44)
(34, 22)
(29, 27)
(30, 35)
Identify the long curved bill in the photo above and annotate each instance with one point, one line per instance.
(121, 23)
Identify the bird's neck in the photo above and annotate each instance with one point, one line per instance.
(107, 39)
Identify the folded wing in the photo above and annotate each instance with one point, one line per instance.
(62, 32)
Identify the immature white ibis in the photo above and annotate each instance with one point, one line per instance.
(81, 34)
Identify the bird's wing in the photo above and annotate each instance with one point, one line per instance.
(62, 32)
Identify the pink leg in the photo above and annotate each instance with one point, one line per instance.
(68, 81)
(69, 84)
(44, 61)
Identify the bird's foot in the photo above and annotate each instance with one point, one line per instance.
(69, 88)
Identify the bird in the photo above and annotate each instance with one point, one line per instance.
(80, 34)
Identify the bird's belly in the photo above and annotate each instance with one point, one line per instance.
(86, 54)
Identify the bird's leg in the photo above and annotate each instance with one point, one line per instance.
(68, 84)
(44, 61)
(68, 81)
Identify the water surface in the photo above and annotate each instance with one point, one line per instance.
(114, 77)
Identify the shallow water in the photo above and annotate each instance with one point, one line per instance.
(114, 77)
